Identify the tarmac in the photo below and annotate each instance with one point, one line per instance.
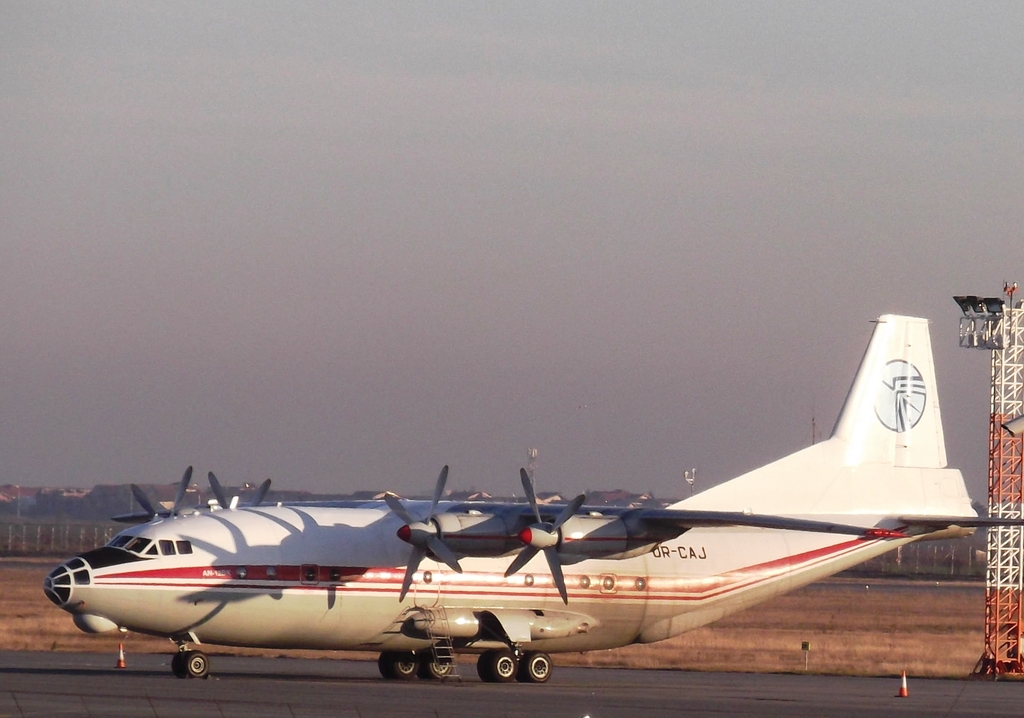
(80, 684)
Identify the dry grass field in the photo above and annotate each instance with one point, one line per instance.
(925, 629)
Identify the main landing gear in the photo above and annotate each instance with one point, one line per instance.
(504, 666)
(189, 664)
(497, 666)
(406, 665)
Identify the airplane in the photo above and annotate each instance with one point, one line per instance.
(419, 582)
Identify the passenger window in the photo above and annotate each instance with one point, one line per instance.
(166, 547)
(184, 547)
(151, 551)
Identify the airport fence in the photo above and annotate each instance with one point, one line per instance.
(959, 559)
(53, 538)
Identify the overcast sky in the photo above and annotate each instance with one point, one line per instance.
(343, 245)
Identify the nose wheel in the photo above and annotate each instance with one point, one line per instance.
(190, 664)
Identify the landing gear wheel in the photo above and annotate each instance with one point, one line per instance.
(398, 665)
(534, 667)
(429, 669)
(497, 666)
(178, 665)
(197, 665)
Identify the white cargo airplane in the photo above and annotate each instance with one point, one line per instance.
(342, 575)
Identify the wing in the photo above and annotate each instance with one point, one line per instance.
(684, 520)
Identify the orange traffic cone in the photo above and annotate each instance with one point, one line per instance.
(903, 687)
(120, 656)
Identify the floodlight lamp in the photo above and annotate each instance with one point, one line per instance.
(964, 304)
(994, 305)
(1015, 426)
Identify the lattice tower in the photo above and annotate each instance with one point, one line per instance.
(1004, 583)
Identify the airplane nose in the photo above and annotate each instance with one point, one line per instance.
(60, 582)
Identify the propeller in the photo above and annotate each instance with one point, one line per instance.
(543, 536)
(261, 493)
(218, 491)
(222, 498)
(143, 500)
(148, 510)
(422, 534)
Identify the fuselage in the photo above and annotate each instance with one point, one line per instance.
(329, 578)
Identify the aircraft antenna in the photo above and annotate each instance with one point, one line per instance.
(997, 325)
(531, 463)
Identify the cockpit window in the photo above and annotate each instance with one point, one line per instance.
(119, 541)
(137, 545)
(151, 551)
(166, 547)
(184, 546)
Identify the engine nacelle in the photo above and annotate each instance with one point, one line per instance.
(613, 537)
(478, 534)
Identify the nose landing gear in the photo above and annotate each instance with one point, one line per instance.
(190, 664)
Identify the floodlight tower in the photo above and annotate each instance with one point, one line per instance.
(997, 325)
(531, 462)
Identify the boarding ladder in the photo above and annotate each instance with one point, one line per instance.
(441, 641)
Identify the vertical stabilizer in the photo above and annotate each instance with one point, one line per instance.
(891, 414)
(886, 455)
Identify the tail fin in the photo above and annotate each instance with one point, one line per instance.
(891, 414)
(886, 455)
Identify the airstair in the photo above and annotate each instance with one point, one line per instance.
(441, 646)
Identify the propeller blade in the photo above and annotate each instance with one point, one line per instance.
(551, 554)
(396, 506)
(442, 478)
(261, 493)
(571, 508)
(180, 496)
(415, 556)
(444, 553)
(143, 501)
(218, 490)
(528, 488)
(524, 557)
(422, 534)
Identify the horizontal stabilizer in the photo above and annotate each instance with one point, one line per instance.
(936, 523)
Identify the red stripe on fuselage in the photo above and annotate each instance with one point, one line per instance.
(482, 585)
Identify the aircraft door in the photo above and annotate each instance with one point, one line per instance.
(426, 587)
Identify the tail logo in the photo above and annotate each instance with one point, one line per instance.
(901, 399)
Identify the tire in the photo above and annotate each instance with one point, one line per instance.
(483, 667)
(197, 665)
(431, 670)
(397, 665)
(178, 665)
(535, 667)
(498, 666)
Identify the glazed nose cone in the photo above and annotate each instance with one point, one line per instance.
(60, 582)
